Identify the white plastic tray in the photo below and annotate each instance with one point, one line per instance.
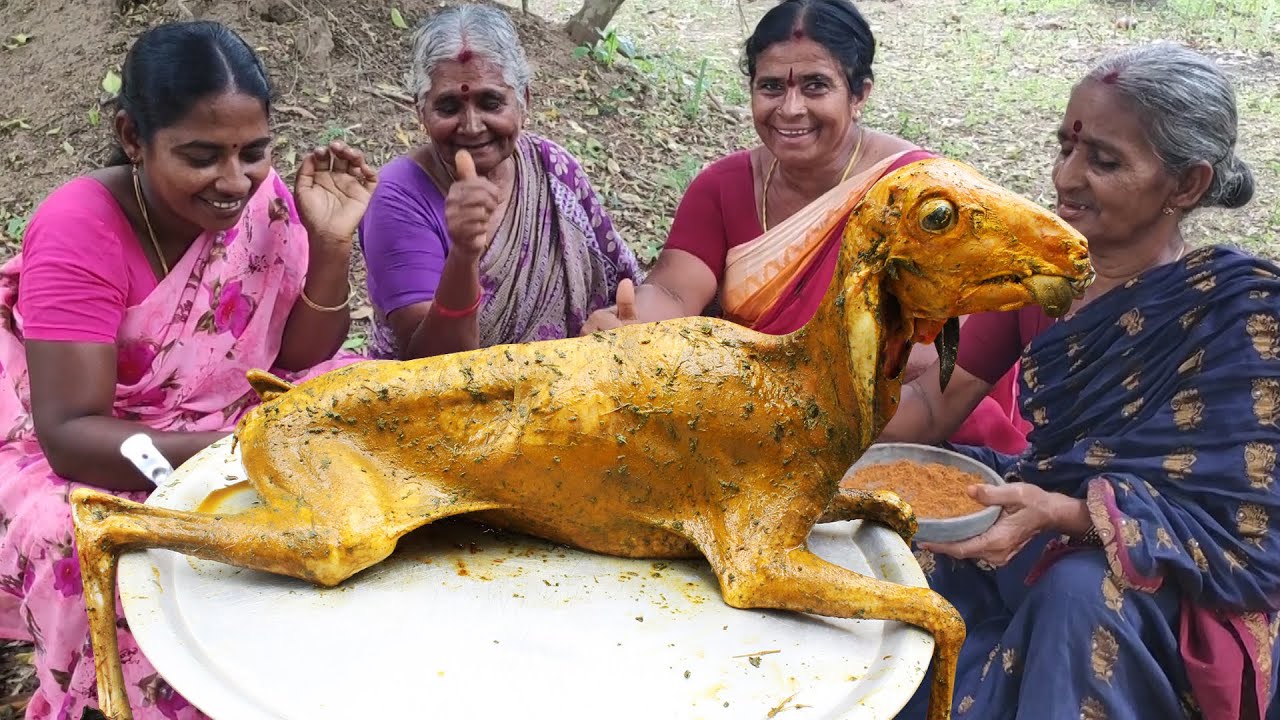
(464, 623)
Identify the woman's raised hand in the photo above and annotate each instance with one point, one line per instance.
(469, 207)
(332, 189)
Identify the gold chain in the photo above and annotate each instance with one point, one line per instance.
(142, 205)
(764, 193)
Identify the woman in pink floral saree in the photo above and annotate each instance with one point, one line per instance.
(100, 337)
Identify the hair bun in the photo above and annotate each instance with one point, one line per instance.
(1234, 183)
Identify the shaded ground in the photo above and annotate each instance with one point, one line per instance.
(338, 70)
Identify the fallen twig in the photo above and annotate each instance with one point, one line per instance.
(395, 96)
(782, 705)
(757, 654)
(16, 703)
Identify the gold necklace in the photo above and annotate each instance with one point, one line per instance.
(142, 205)
(764, 192)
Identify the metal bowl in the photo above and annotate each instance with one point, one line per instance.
(937, 529)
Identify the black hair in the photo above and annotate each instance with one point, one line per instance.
(834, 24)
(172, 67)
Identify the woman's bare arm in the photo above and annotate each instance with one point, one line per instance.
(928, 415)
(72, 397)
(422, 333)
(680, 285)
(312, 336)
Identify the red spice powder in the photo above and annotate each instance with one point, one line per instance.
(934, 491)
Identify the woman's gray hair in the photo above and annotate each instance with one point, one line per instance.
(1189, 109)
(485, 31)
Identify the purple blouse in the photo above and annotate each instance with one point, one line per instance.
(554, 259)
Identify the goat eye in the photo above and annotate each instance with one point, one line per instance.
(938, 216)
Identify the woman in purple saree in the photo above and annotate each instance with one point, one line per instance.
(524, 250)
(1135, 570)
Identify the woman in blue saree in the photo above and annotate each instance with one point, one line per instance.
(1135, 569)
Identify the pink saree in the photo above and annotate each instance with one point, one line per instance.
(182, 357)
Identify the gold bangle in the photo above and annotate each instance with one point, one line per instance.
(322, 308)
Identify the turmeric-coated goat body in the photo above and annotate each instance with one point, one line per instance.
(671, 439)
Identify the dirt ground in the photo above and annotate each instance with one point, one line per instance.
(338, 69)
(981, 80)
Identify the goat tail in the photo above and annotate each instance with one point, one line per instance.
(268, 386)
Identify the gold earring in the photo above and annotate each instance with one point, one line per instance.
(1167, 211)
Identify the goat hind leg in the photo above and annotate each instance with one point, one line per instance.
(106, 525)
(804, 582)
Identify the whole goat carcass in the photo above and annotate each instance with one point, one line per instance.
(671, 439)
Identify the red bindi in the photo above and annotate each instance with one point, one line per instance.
(465, 88)
(1078, 126)
(798, 34)
(465, 56)
(791, 78)
(1111, 77)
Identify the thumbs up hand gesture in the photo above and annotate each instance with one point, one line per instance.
(622, 313)
(469, 208)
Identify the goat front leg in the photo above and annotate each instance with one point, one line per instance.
(804, 582)
(882, 506)
(98, 573)
(258, 539)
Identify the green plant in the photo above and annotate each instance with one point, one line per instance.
(605, 51)
(647, 246)
(677, 178)
(909, 128)
(735, 92)
(334, 132)
(694, 104)
(956, 149)
(13, 227)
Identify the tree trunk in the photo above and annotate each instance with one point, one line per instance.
(586, 25)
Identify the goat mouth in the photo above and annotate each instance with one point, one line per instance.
(1079, 285)
(1003, 280)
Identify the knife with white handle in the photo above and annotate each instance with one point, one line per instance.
(139, 450)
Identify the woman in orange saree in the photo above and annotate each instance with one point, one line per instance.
(809, 62)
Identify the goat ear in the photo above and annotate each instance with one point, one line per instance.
(864, 337)
(268, 386)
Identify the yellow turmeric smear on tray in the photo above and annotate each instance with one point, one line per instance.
(213, 503)
(933, 490)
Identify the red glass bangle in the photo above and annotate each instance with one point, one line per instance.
(445, 312)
